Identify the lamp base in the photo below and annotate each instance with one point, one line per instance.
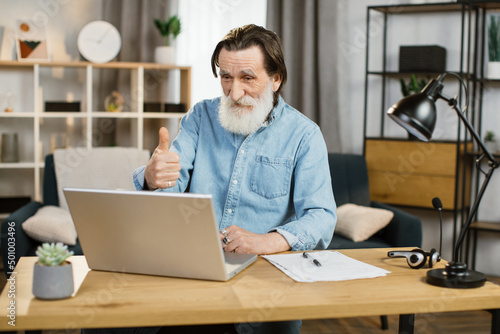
(457, 276)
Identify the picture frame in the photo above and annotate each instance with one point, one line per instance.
(31, 42)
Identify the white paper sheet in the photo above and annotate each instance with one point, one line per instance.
(334, 267)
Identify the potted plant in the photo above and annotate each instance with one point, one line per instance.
(413, 86)
(489, 141)
(169, 29)
(493, 70)
(53, 275)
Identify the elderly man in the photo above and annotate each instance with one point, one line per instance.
(264, 163)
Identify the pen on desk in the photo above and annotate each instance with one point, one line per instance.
(313, 260)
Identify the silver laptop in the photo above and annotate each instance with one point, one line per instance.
(152, 233)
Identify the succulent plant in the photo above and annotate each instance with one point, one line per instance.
(167, 27)
(489, 136)
(414, 86)
(53, 254)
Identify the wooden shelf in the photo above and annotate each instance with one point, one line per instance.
(85, 128)
(75, 114)
(420, 8)
(475, 227)
(488, 5)
(17, 114)
(122, 114)
(485, 226)
(406, 74)
(478, 153)
(84, 64)
(157, 115)
(17, 165)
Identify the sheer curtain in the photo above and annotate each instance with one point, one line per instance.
(134, 20)
(309, 31)
(204, 24)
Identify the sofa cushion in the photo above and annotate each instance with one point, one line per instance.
(359, 223)
(51, 224)
(96, 168)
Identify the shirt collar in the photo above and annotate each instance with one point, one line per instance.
(276, 112)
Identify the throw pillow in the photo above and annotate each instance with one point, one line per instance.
(359, 223)
(51, 224)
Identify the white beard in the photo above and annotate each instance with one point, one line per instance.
(235, 116)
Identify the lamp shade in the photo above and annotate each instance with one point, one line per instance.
(417, 114)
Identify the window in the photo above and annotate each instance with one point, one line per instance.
(204, 23)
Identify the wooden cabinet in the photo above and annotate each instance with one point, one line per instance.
(412, 173)
(33, 84)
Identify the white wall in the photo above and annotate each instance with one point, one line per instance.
(62, 20)
(203, 28)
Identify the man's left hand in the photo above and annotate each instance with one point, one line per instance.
(243, 241)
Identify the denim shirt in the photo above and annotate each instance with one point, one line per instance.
(275, 179)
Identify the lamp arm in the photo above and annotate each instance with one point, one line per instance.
(472, 213)
(452, 102)
(492, 163)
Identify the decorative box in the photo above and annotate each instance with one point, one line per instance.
(62, 106)
(422, 58)
(166, 107)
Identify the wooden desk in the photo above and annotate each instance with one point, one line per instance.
(259, 293)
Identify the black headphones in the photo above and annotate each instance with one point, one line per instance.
(417, 258)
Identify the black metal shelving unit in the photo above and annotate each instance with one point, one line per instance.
(469, 37)
(471, 68)
(482, 8)
(388, 10)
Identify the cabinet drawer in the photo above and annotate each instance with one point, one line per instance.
(411, 157)
(412, 173)
(411, 189)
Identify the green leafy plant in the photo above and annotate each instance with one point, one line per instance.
(167, 27)
(494, 38)
(489, 136)
(53, 254)
(413, 86)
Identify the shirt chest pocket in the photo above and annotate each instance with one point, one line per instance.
(271, 176)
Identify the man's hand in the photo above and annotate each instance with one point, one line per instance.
(239, 240)
(162, 170)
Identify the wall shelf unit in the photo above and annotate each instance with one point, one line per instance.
(32, 84)
(485, 85)
(383, 77)
(464, 31)
(419, 171)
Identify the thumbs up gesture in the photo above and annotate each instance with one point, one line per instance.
(162, 170)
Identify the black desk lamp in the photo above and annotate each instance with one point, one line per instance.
(417, 114)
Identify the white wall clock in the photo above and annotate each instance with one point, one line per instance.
(99, 42)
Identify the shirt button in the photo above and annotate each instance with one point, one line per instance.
(229, 211)
(242, 151)
(235, 181)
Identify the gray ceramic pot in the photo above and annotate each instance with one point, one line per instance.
(53, 282)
